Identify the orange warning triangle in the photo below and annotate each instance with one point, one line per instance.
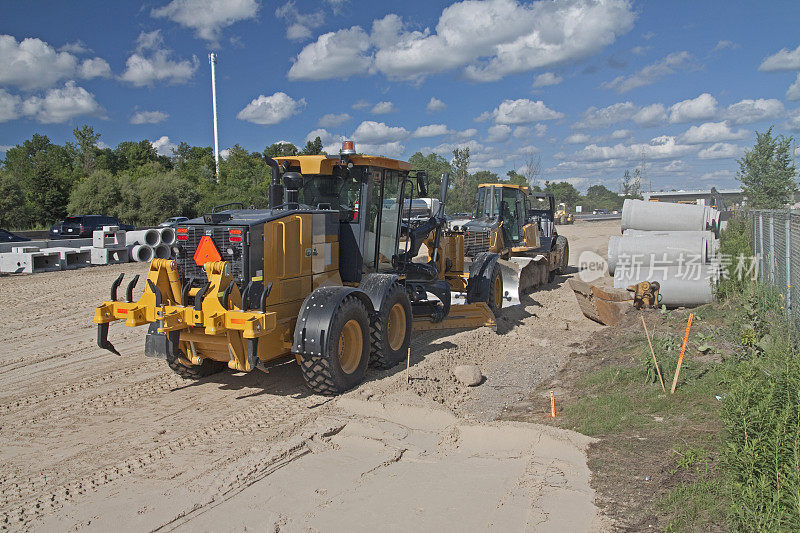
(206, 251)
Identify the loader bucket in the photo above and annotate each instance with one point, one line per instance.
(521, 274)
(602, 306)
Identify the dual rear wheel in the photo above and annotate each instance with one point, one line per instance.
(381, 340)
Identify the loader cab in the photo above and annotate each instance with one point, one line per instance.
(506, 203)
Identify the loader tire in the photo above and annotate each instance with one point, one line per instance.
(390, 329)
(487, 285)
(562, 243)
(190, 371)
(343, 365)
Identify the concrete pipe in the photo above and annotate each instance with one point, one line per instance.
(662, 216)
(150, 237)
(141, 253)
(657, 250)
(167, 236)
(680, 286)
(163, 251)
(711, 240)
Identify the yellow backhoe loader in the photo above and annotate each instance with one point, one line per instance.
(518, 225)
(562, 216)
(330, 274)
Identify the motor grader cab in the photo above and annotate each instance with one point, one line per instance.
(330, 273)
(519, 226)
(562, 216)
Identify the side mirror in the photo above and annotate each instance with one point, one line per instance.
(422, 184)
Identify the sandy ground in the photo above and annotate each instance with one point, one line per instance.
(92, 442)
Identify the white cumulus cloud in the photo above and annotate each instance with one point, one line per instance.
(720, 151)
(577, 138)
(381, 108)
(793, 93)
(332, 120)
(547, 79)
(33, 63)
(299, 25)
(340, 54)
(151, 63)
(431, 130)
(270, 110)
(434, 104)
(10, 106)
(651, 115)
(374, 133)
(61, 105)
(606, 116)
(149, 117)
(748, 111)
(670, 64)
(498, 133)
(207, 17)
(487, 40)
(711, 132)
(164, 146)
(784, 59)
(523, 111)
(703, 107)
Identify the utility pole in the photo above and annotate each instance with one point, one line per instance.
(212, 58)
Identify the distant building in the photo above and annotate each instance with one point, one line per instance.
(731, 197)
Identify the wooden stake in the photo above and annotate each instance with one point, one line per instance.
(552, 404)
(653, 353)
(408, 365)
(683, 349)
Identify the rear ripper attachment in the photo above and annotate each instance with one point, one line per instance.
(213, 325)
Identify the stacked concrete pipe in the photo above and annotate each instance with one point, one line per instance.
(663, 216)
(142, 243)
(163, 251)
(141, 253)
(168, 236)
(672, 250)
(673, 244)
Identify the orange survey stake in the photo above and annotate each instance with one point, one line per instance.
(552, 404)
(683, 349)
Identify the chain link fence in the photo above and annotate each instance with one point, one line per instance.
(776, 245)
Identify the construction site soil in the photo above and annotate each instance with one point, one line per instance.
(93, 441)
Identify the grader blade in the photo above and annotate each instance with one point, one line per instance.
(461, 316)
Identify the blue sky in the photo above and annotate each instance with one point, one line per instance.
(586, 86)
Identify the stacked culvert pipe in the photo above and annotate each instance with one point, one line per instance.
(142, 244)
(673, 244)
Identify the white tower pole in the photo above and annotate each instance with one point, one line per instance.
(212, 58)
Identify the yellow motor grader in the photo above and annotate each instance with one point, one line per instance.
(519, 226)
(330, 273)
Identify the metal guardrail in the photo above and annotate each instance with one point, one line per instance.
(776, 245)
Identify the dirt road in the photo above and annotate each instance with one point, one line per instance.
(91, 441)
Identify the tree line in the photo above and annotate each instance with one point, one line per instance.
(42, 182)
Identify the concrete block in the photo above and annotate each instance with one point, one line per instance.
(24, 249)
(29, 262)
(72, 258)
(109, 256)
(114, 238)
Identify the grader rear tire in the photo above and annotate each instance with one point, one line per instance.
(390, 330)
(190, 371)
(343, 365)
